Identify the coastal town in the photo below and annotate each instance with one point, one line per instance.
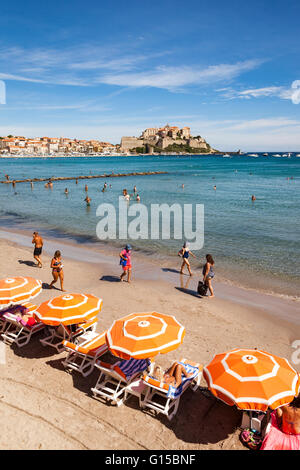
(167, 139)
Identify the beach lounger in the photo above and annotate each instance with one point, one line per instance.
(16, 333)
(82, 357)
(165, 398)
(115, 378)
(12, 312)
(58, 334)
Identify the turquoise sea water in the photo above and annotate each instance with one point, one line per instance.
(254, 243)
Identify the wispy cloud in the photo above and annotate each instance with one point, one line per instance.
(286, 93)
(174, 78)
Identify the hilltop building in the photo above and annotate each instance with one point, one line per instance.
(165, 138)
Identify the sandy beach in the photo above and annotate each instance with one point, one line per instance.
(44, 407)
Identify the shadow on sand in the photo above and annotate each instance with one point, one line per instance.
(32, 264)
(110, 278)
(201, 419)
(189, 291)
(170, 270)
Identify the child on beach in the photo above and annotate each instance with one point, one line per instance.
(125, 261)
(57, 271)
(185, 253)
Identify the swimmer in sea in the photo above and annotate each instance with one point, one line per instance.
(215, 187)
(86, 188)
(134, 189)
(66, 191)
(253, 198)
(138, 198)
(88, 201)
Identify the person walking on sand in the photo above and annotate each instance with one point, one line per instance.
(125, 261)
(38, 247)
(185, 252)
(57, 271)
(208, 274)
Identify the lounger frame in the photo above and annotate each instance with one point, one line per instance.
(80, 362)
(111, 385)
(58, 334)
(156, 397)
(15, 333)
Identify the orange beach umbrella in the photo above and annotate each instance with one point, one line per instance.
(252, 379)
(143, 335)
(68, 309)
(15, 290)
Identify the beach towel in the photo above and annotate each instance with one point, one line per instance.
(175, 392)
(278, 440)
(131, 367)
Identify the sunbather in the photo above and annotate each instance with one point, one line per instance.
(172, 376)
(285, 428)
(26, 319)
(288, 417)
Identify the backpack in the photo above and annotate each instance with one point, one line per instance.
(251, 439)
(202, 288)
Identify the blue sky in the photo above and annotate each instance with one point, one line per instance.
(228, 69)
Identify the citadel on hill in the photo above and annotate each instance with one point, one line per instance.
(165, 139)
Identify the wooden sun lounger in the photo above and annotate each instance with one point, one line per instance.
(82, 357)
(158, 395)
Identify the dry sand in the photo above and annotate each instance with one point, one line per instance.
(44, 407)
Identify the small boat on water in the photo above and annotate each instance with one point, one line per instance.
(227, 155)
(276, 155)
(265, 154)
(298, 155)
(252, 155)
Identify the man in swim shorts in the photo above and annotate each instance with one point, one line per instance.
(38, 247)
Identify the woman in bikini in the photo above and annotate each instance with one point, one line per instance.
(208, 274)
(57, 271)
(173, 375)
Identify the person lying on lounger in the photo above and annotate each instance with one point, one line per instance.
(26, 319)
(172, 376)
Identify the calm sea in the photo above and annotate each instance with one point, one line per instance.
(256, 244)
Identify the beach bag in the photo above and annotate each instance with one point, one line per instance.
(202, 288)
(123, 262)
(251, 439)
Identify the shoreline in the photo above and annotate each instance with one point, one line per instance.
(229, 274)
(277, 307)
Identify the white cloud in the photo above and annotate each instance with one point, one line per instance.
(173, 78)
(287, 93)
